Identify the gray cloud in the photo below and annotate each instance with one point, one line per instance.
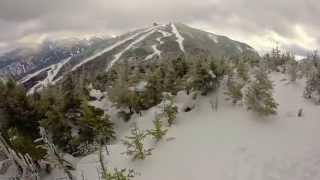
(244, 20)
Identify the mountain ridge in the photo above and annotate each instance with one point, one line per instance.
(142, 45)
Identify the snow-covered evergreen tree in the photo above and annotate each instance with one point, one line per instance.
(170, 110)
(259, 94)
(234, 89)
(134, 144)
(158, 132)
(293, 70)
(243, 71)
(312, 89)
(122, 174)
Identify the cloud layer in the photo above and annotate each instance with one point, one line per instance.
(293, 24)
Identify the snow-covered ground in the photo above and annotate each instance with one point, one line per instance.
(228, 144)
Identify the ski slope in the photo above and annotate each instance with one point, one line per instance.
(131, 45)
(156, 51)
(180, 39)
(52, 72)
(110, 48)
(229, 143)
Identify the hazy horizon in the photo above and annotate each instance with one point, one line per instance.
(291, 24)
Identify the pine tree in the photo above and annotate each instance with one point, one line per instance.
(180, 67)
(234, 89)
(243, 71)
(292, 70)
(158, 132)
(203, 78)
(94, 124)
(312, 89)
(259, 95)
(122, 174)
(154, 87)
(18, 116)
(169, 109)
(135, 145)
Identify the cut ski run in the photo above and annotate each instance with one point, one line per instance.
(229, 143)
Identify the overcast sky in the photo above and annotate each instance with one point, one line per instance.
(294, 24)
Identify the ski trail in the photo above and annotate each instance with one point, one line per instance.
(28, 77)
(52, 72)
(156, 51)
(180, 39)
(117, 56)
(108, 49)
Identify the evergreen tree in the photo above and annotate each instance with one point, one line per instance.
(94, 124)
(158, 132)
(122, 174)
(169, 109)
(135, 145)
(293, 70)
(18, 116)
(243, 71)
(312, 89)
(234, 89)
(180, 67)
(259, 94)
(203, 78)
(154, 87)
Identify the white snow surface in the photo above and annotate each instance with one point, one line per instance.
(180, 39)
(228, 144)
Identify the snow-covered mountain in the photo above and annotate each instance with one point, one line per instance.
(142, 45)
(24, 61)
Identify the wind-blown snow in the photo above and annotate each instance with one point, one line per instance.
(138, 40)
(228, 144)
(108, 49)
(180, 39)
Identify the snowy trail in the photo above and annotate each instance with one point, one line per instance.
(108, 49)
(180, 39)
(117, 56)
(230, 143)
